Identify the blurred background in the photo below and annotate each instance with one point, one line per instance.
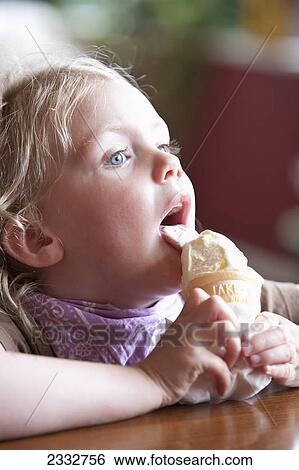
(224, 74)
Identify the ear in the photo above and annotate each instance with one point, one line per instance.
(33, 245)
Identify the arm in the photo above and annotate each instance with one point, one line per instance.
(79, 394)
(281, 298)
(68, 394)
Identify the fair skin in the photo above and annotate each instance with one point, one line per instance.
(276, 349)
(100, 241)
(108, 213)
(87, 394)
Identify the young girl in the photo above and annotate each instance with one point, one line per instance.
(88, 175)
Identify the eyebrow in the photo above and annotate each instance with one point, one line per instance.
(120, 127)
(94, 135)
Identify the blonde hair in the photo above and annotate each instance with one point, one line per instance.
(35, 139)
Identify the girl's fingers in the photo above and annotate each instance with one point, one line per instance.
(282, 373)
(227, 339)
(233, 349)
(282, 354)
(214, 323)
(203, 308)
(196, 297)
(268, 319)
(215, 309)
(270, 338)
(216, 367)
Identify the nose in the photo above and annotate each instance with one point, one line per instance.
(166, 167)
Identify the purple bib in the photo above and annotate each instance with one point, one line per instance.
(88, 331)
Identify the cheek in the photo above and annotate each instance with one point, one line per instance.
(105, 216)
(129, 225)
(117, 214)
(129, 216)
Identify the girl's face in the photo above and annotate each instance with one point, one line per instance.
(111, 199)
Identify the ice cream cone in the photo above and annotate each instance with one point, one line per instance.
(212, 262)
(240, 289)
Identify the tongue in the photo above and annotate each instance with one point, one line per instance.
(178, 235)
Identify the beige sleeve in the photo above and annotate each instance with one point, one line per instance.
(281, 298)
(11, 338)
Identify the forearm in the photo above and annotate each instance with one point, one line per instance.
(41, 394)
(281, 298)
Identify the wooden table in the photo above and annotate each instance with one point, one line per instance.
(271, 422)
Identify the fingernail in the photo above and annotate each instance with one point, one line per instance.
(255, 359)
(268, 370)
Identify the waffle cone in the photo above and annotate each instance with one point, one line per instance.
(240, 289)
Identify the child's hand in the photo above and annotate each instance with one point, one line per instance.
(276, 349)
(180, 357)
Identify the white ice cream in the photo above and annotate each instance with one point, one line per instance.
(211, 252)
(205, 252)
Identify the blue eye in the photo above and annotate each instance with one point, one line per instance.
(117, 158)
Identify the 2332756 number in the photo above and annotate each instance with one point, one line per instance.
(76, 459)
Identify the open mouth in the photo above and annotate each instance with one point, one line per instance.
(175, 216)
(177, 213)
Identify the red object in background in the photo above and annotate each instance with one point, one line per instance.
(242, 173)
